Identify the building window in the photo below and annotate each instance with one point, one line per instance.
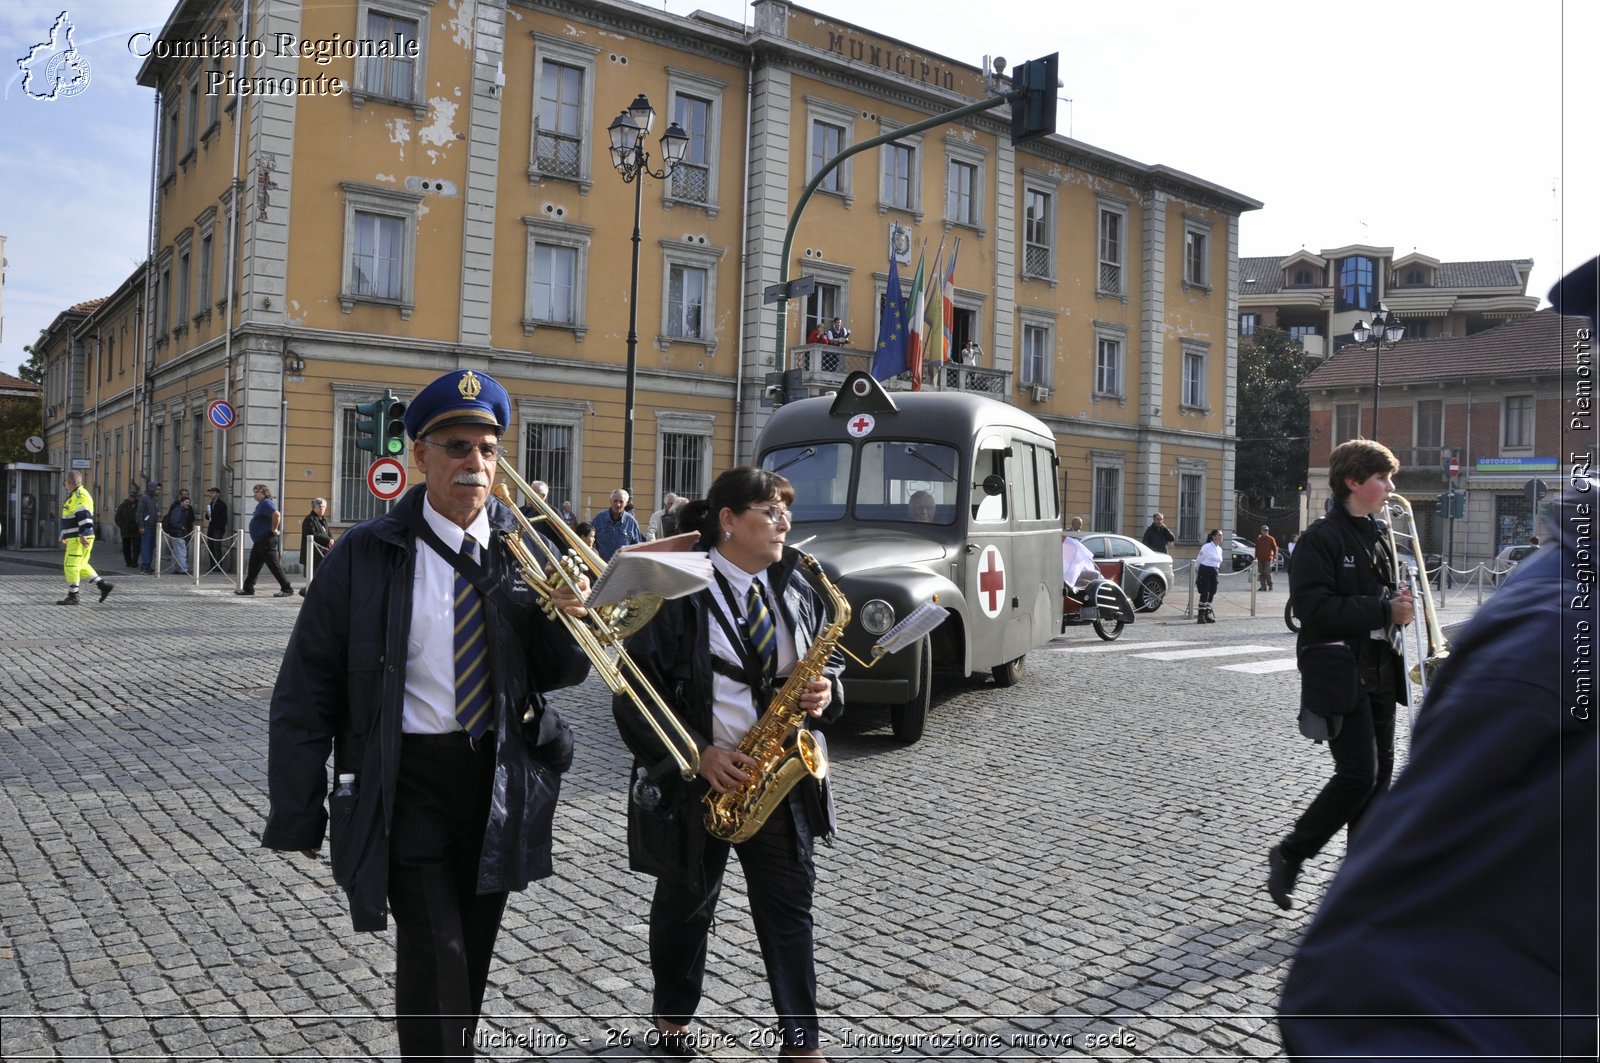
(1036, 360)
(380, 235)
(555, 285)
(899, 176)
(181, 319)
(692, 179)
(1108, 367)
(214, 99)
(1038, 234)
(1430, 433)
(1346, 422)
(547, 456)
(960, 205)
(1417, 328)
(164, 302)
(203, 302)
(403, 26)
(558, 134)
(1519, 421)
(1191, 504)
(1302, 278)
(1107, 498)
(686, 302)
(683, 463)
(1415, 278)
(827, 141)
(169, 152)
(1248, 323)
(1298, 333)
(1112, 224)
(688, 305)
(822, 306)
(1196, 257)
(192, 121)
(1357, 284)
(1194, 377)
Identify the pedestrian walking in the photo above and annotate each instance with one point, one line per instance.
(179, 525)
(265, 527)
(1266, 557)
(127, 522)
(1352, 615)
(77, 538)
(615, 527)
(148, 514)
(1157, 536)
(448, 757)
(315, 535)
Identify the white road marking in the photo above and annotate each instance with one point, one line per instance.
(1209, 651)
(1106, 647)
(1260, 667)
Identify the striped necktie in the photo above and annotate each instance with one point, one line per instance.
(760, 630)
(472, 653)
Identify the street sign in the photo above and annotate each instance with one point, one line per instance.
(221, 414)
(387, 479)
(1455, 468)
(35, 444)
(81, 463)
(798, 288)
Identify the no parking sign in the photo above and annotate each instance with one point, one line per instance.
(221, 414)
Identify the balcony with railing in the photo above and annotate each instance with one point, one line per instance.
(823, 368)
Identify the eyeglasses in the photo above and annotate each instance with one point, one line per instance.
(460, 448)
(774, 514)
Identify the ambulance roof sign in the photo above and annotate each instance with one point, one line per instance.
(861, 394)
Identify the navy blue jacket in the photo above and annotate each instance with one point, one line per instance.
(342, 689)
(1464, 922)
(674, 651)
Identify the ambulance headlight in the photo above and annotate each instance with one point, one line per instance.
(877, 616)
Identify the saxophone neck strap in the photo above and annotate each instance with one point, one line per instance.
(751, 674)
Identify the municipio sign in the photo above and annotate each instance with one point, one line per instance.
(387, 479)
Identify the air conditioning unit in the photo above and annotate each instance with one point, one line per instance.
(1041, 393)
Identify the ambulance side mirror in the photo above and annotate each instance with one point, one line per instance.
(994, 484)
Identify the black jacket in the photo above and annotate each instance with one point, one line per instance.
(217, 519)
(674, 650)
(180, 519)
(126, 522)
(342, 689)
(1339, 594)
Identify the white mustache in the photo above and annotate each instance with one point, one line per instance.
(471, 479)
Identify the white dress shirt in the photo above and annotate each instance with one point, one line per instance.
(733, 710)
(430, 706)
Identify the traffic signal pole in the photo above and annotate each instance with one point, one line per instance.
(1018, 94)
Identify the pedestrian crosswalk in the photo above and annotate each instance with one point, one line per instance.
(1279, 658)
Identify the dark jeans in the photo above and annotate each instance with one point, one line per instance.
(147, 547)
(130, 549)
(265, 552)
(780, 886)
(1363, 761)
(444, 928)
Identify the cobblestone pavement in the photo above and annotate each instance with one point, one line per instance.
(1071, 868)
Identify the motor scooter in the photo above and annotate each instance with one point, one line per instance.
(1098, 601)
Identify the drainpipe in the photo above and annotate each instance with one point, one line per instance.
(744, 254)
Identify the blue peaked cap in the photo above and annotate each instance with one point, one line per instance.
(463, 397)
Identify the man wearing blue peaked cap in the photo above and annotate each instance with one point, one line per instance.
(420, 663)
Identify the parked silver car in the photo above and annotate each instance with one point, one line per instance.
(1146, 574)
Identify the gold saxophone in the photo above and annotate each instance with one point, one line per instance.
(784, 750)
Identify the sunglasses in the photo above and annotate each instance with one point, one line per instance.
(460, 448)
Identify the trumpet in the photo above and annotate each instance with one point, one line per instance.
(1438, 648)
(599, 634)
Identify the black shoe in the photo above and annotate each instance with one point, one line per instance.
(106, 589)
(70, 599)
(678, 1046)
(244, 594)
(148, 571)
(284, 594)
(302, 592)
(1282, 871)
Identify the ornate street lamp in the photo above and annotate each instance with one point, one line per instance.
(1386, 328)
(628, 132)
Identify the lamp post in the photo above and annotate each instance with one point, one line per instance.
(1386, 328)
(628, 132)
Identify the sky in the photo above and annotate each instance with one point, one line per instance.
(1465, 131)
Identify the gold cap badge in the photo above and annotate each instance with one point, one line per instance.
(470, 385)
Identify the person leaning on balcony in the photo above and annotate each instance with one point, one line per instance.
(837, 334)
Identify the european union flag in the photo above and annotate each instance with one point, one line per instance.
(889, 357)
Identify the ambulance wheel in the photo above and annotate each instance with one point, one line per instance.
(909, 719)
(1290, 621)
(1010, 673)
(1109, 631)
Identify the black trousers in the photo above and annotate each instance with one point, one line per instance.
(444, 928)
(1363, 762)
(130, 549)
(1205, 581)
(780, 886)
(265, 552)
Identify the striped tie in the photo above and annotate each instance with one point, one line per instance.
(472, 654)
(759, 628)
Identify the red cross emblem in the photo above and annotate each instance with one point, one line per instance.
(991, 582)
(861, 425)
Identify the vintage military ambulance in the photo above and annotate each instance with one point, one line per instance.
(938, 497)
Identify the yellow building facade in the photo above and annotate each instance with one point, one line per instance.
(373, 192)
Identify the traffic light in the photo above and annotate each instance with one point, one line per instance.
(381, 426)
(1441, 506)
(1459, 502)
(1033, 114)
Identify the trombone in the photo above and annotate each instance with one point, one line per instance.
(600, 632)
(1425, 624)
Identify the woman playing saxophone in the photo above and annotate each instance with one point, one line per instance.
(719, 656)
